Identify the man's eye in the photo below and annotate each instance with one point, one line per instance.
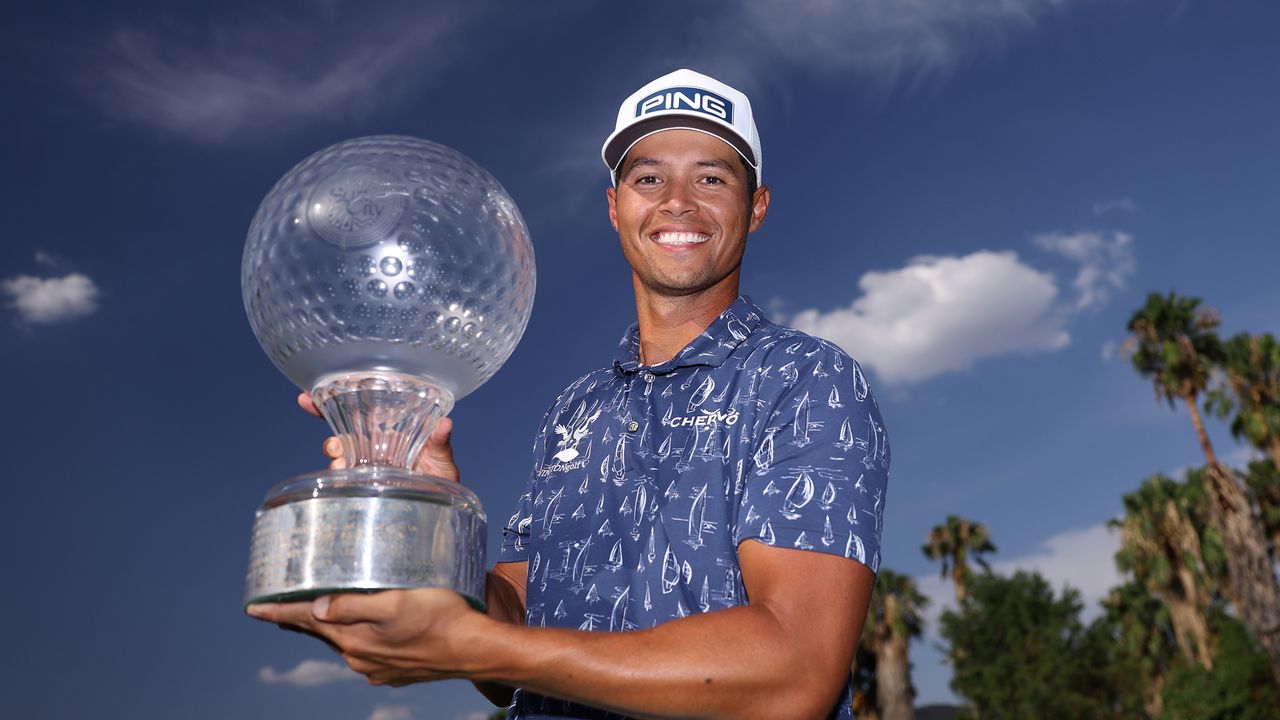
(713, 180)
(647, 180)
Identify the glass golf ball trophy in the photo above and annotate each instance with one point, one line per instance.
(388, 277)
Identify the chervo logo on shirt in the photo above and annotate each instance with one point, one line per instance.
(708, 418)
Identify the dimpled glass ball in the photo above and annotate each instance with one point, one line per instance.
(388, 253)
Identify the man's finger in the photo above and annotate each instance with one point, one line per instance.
(350, 608)
(332, 447)
(297, 614)
(306, 403)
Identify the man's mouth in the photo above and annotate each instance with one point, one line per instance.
(679, 238)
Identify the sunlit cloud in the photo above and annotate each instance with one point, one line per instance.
(943, 314)
(392, 712)
(47, 300)
(307, 673)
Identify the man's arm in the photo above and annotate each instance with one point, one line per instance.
(504, 596)
(784, 655)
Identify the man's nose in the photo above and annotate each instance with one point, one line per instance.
(676, 200)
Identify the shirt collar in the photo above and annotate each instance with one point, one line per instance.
(710, 348)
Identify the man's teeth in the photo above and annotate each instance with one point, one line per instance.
(681, 238)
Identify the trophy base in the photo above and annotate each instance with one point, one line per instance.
(366, 529)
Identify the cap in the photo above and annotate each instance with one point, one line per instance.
(685, 100)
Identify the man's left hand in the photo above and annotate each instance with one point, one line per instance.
(392, 637)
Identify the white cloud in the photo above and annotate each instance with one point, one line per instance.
(391, 712)
(1109, 349)
(1083, 559)
(273, 70)
(941, 314)
(1106, 261)
(475, 715)
(308, 673)
(883, 40)
(45, 258)
(1119, 204)
(51, 300)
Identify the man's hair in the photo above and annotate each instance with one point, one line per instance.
(751, 179)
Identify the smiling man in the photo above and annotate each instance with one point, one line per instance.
(700, 531)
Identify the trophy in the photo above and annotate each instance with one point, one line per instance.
(388, 277)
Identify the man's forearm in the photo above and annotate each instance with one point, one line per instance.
(504, 596)
(737, 663)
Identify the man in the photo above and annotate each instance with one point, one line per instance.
(701, 528)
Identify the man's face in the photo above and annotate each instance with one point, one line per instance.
(682, 212)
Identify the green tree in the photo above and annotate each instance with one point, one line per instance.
(1264, 486)
(892, 622)
(1175, 347)
(1238, 688)
(1161, 548)
(954, 543)
(1027, 653)
(1251, 369)
(1138, 631)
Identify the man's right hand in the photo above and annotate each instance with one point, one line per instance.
(435, 458)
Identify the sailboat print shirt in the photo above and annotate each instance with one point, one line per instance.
(646, 479)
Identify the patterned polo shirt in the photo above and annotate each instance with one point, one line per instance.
(646, 478)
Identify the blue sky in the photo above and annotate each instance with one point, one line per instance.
(971, 196)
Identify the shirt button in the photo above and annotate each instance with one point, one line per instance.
(633, 426)
(648, 377)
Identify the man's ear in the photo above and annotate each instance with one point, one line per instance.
(759, 207)
(612, 195)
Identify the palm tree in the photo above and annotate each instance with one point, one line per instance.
(954, 543)
(1161, 548)
(1175, 347)
(1251, 365)
(865, 703)
(894, 619)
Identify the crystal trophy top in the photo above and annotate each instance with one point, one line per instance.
(389, 254)
(388, 277)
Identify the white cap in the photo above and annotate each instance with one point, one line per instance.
(685, 100)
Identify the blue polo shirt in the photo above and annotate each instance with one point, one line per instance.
(646, 478)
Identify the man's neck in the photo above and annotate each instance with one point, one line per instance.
(668, 324)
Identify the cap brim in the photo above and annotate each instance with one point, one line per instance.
(619, 144)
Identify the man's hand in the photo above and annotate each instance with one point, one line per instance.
(393, 637)
(436, 457)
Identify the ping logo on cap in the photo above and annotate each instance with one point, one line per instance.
(687, 98)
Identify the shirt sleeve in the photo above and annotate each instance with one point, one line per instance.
(820, 469)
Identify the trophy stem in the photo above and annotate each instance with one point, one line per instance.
(383, 418)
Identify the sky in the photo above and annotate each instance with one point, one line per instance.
(970, 196)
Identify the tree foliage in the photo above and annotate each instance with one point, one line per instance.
(1027, 654)
(1238, 688)
(1250, 367)
(1174, 344)
(1263, 480)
